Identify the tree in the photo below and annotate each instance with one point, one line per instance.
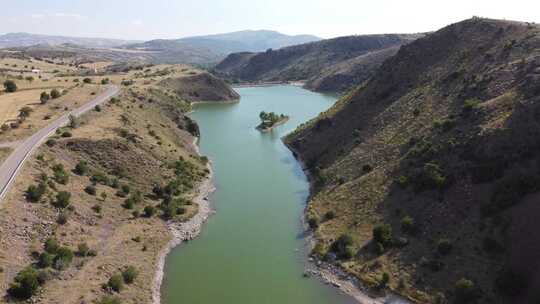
(34, 193)
(24, 112)
(116, 282)
(10, 86)
(55, 94)
(81, 168)
(63, 258)
(44, 97)
(382, 234)
(342, 247)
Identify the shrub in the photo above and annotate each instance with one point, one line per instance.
(66, 134)
(470, 104)
(24, 112)
(313, 222)
(97, 208)
(407, 224)
(44, 97)
(130, 274)
(50, 142)
(60, 175)
(105, 81)
(149, 211)
(429, 177)
(385, 279)
(81, 168)
(10, 86)
(73, 121)
(367, 168)
(116, 283)
(382, 234)
(87, 80)
(100, 177)
(62, 199)
(342, 247)
(35, 193)
(62, 218)
(444, 246)
(97, 108)
(64, 257)
(465, 290)
(82, 249)
(51, 246)
(55, 94)
(329, 215)
(45, 260)
(90, 190)
(25, 284)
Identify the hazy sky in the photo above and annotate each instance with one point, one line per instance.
(149, 19)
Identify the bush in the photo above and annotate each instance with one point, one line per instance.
(429, 177)
(444, 246)
(50, 142)
(25, 284)
(62, 199)
(64, 257)
(149, 211)
(35, 193)
(87, 80)
(44, 97)
(45, 260)
(24, 112)
(60, 175)
(100, 178)
(116, 283)
(465, 290)
(342, 247)
(329, 215)
(51, 246)
(407, 224)
(382, 234)
(10, 86)
(385, 279)
(81, 168)
(83, 249)
(130, 274)
(55, 94)
(313, 222)
(62, 218)
(97, 108)
(66, 134)
(90, 190)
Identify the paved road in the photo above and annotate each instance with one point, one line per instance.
(12, 165)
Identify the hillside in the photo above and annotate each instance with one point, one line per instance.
(328, 65)
(200, 87)
(213, 48)
(25, 39)
(426, 177)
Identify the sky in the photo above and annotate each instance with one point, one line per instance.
(153, 19)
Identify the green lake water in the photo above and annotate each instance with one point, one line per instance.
(252, 250)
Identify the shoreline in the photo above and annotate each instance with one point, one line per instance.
(332, 274)
(185, 231)
(267, 84)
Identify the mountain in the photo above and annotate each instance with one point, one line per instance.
(25, 39)
(328, 65)
(426, 178)
(211, 49)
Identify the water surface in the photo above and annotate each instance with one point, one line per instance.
(251, 250)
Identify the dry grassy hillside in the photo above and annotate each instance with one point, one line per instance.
(426, 177)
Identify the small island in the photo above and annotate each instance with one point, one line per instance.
(270, 121)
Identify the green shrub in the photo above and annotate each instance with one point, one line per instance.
(45, 260)
(407, 224)
(64, 257)
(100, 178)
(35, 193)
(81, 168)
(382, 234)
(55, 94)
(10, 86)
(83, 249)
(62, 199)
(60, 175)
(444, 246)
(313, 222)
(465, 290)
(130, 274)
(149, 211)
(384, 280)
(116, 283)
(470, 104)
(329, 215)
(25, 284)
(90, 190)
(66, 134)
(51, 245)
(44, 97)
(342, 247)
(50, 142)
(87, 80)
(431, 176)
(97, 108)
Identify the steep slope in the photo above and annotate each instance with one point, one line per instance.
(328, 65)
(201, 87)
(26, 39)
(426, 177)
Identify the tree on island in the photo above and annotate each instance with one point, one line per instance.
(270, 119)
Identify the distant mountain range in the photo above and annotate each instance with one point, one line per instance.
(332, 65)
(199, 50)
(25, 39)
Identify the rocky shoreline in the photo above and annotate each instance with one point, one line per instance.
(185, 231)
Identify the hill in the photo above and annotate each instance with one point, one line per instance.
(426, 177)
(216, 47)
(25, 39)
(200, 87)
(329, 65)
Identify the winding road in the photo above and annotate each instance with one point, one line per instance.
(12, 164)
